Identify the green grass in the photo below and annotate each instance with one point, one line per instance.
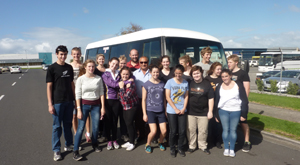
(273, 100)
(278, 126)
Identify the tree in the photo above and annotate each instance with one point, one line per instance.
(130, 29)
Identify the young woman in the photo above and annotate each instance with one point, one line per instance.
(89, 91)
(215, 128)
(111, 79)
(177, 98)
(231, 104)
(165, 71)
(129, 101)
(76, 64)
(153, 102)
(200, 111)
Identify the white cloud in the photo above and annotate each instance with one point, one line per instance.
(294, 8)
(85, 10)
(286, 39)
(43, 40)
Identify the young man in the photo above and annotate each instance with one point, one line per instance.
(242, 76)
(60, 95)
(133, 64)
(205, 63)
(187, 63)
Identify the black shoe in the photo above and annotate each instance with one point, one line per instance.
(206, 151)
(102, 139)
(76, 156)
(218, 145)
(173, 153)
(246, 147)
(97, 149)
(190, 150)
(181, 153)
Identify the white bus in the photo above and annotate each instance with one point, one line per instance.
(270, 61)
(153, 43)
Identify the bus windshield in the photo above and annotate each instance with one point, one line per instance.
(177, 47)
(266, 60)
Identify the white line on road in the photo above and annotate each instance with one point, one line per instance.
(1, 97)
(22, 74)
(19, 77)
(13, 83)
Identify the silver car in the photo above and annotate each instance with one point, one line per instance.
(287, 76)
(15, 69)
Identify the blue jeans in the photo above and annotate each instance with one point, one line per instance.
(177, 124)
(95, 116)
(64, 114)
(229, 121)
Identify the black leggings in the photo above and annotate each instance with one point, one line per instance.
(129, 116)
(112, 113)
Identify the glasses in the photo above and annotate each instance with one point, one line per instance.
(143, 62)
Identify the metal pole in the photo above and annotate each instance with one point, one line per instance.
(280, 71)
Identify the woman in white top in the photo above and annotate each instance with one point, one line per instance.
(231, 104)
(76, 64)
(89, 90)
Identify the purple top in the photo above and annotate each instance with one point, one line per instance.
(155, 96)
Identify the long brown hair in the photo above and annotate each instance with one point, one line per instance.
(82, 68)
(213, 67)
(160, 67)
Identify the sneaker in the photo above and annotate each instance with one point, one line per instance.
(130, 147)
(246, 147)
(102, 139)
(88, 139)
(125, 138)
(190, 150)
(181, 153)
(231, 153)
(70, 148)
(226, 152)
(173, 153)
(116, 145)
(109, 145)
(148, 149)
(97, 149)
(161, 147)
(57, 156)
(125, 145)
(76, 156)
(206, 151)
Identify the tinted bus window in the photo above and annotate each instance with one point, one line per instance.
(118, 50)
(152, 50)
(91, 54)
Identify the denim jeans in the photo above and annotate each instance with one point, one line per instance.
(95, 117)
(177, 124)
(229, 122)
(63, 114)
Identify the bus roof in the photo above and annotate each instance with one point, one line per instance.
(151, 33)
(294, 52)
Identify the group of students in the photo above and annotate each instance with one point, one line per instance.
(182, 97)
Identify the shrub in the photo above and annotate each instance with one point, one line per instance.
(292, 88)
(260, 85)
(274, 87)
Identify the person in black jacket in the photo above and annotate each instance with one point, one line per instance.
(231, 105)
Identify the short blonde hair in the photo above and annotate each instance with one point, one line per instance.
(99, 55)
(122, 57)
(206, 50)
(76, 49)
(234, 58)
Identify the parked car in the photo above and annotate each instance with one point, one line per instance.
(287, 76)
(15, 69)
(45, 67)
(5, 69)
(265, 75)
(253, 63)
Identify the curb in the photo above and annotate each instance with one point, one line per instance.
(278, 139)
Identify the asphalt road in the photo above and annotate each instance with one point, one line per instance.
(26, 125)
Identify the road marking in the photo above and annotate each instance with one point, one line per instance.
(19, 77)
(22, 74)
(1, 97)
(13, 83)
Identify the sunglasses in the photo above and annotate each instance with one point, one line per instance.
(143, 62)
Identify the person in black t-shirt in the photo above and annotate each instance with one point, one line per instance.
(243, 77)
(166, 72)
(201, 102)
(214, 127)
(60, 95)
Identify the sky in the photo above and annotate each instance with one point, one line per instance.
(32, 26)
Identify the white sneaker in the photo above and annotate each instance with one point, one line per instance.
(130, 147)
(125, 145)
(226, 152)
(231, 153)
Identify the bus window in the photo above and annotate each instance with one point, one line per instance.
(91, 54)
(152, 50)
(118, 50)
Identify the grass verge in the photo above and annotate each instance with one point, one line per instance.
(278, 126)
(277, 101)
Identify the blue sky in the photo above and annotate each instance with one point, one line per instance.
(41, 25)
